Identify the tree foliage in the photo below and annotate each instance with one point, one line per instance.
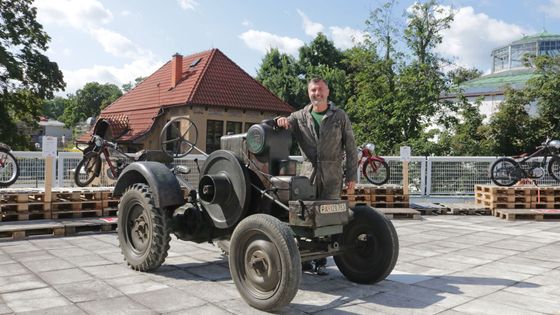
(27, 76)
(132, 84)
(55, 108)
(89, 101)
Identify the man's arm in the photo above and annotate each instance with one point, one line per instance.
(289, 122)
(351, 153)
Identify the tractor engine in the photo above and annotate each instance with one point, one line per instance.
(254, 170)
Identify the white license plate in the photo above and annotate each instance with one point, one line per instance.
(332, 208)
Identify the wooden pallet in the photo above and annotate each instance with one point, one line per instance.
(466, 209)
(401, 213)
(78, 226)
(387, 196)
(428, 208)
(528, 214)
(26, 229)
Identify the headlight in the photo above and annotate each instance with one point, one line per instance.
(98, 142)
(555, 144)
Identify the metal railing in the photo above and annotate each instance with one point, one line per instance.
(428, 176)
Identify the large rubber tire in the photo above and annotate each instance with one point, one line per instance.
(554, 168)
(505, 172)
(370, 247)
(264, 262)
(143, 229)
(9, 168)
(88, 169)
(381, 174)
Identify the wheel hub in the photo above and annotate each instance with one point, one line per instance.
(139, 233)
(262, 265)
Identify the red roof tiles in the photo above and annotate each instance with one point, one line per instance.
(214, 80)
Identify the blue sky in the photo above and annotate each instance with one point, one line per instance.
(117, 41)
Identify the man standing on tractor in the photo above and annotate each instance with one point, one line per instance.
(324, 135)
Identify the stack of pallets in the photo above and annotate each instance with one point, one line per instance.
(389, 196)
(20, 204)
(497, 197)
(388, 199)
(520, 202)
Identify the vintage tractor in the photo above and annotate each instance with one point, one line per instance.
(250, 201)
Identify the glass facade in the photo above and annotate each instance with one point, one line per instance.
(501, 59)
(511, 57)
(549, 47)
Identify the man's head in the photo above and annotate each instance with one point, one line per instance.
(318, 91)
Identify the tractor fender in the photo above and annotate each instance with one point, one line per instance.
(163, 185)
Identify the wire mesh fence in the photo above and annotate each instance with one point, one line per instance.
(427, 175)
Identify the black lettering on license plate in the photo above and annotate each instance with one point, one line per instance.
(332, 208)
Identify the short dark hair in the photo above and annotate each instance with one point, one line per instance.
(317, 79)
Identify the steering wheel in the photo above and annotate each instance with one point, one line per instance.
(172, 139)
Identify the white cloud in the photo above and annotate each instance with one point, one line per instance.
(78, 14)
(76, 79)
(117, 44)
(311, 28)
(472, 36)
(247, 23)
(263, 41)
(126, 13)
(346, 37)
(552, 8)
(188, 4)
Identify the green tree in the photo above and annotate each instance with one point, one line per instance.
(461, 74)
(55, 108)
(544, 88)
(511, 128)
(427, 20)
(27, 76)
(465, 134)
(280, 73)
(130, 85)
(321, 51)
(89, 101)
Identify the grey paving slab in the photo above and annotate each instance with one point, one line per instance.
(452, 265)
(65, 276)
(167, 300)
(47, 264)
(20, 283)
(34, 300)
(12, 269)
(207, 309)
(87, 260)
(87, 291)
(116, 306)
(60, 310)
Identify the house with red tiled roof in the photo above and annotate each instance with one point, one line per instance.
(208, 87)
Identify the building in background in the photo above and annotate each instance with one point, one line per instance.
(208, 87)
(508, 70)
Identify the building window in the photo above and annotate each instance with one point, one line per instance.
(233, 127)
(248, 125)
(214, 131)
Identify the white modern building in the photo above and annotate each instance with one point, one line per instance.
(508, 70)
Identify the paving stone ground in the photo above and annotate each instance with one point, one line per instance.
(447, 265)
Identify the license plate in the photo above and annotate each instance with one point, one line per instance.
(332, 208)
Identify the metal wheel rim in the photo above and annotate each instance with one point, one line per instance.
(138, 232)
(259, 265)
(7, 166)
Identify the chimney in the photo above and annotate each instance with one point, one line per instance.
(176, 69)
